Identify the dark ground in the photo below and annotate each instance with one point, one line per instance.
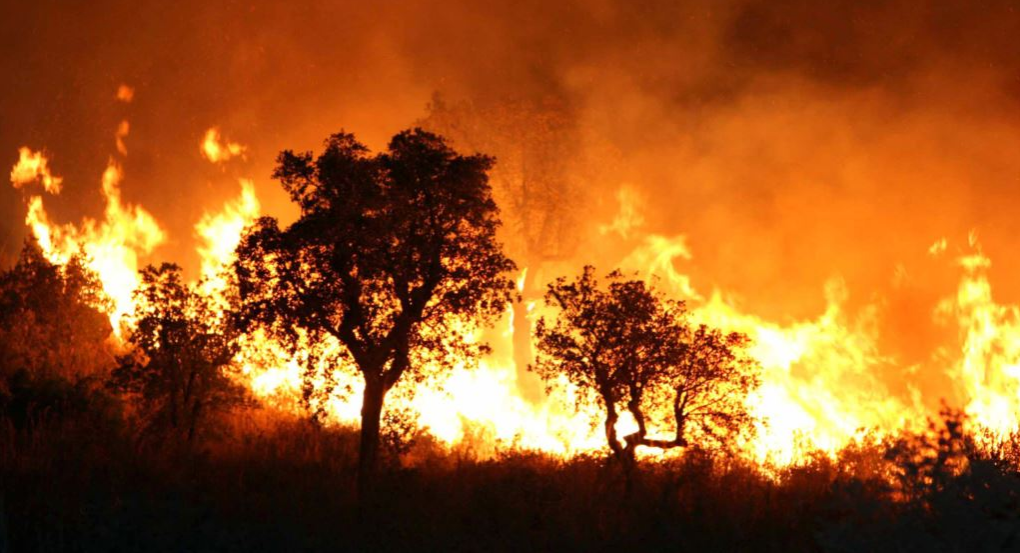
(86, 484)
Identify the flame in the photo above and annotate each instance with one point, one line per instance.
(656, 255)
(988, 373)
(113, 245)
(482, 401)
(629, 219)
(34, 166)
(125, 93)
(122, 131)
(217, 150)
(819, 389)
(219, 233)
(521, 280)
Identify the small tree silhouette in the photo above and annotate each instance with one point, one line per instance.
(53, 335)
(181, 351)
(51, 319)
(391, 253)
(631, 350)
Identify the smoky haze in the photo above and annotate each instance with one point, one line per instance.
(789, 142)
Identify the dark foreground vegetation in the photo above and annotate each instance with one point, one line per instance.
(85, 484)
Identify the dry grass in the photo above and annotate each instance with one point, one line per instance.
(268, 484)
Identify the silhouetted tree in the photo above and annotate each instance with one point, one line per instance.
(51, 318)
(182, 351)
(389, 253)
(631, 350)
(709, 383)
(53, 333)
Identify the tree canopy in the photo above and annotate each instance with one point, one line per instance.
(51, 317)
(181, 352)
(632, 350)
(54, 336)
(392, 254)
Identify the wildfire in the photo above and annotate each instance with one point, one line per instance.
(988, 372)
(820, 386)
(219, 233)
(112, 245)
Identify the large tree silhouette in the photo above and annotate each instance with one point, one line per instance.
(390, 254)
(632, 350)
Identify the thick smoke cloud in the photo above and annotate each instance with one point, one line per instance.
(789, 141)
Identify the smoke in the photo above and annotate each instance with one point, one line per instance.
(787, 142)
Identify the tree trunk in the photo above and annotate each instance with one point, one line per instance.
(624, 455)
(193, 423)
(368, 452)
(528, 383)
(614, 443)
